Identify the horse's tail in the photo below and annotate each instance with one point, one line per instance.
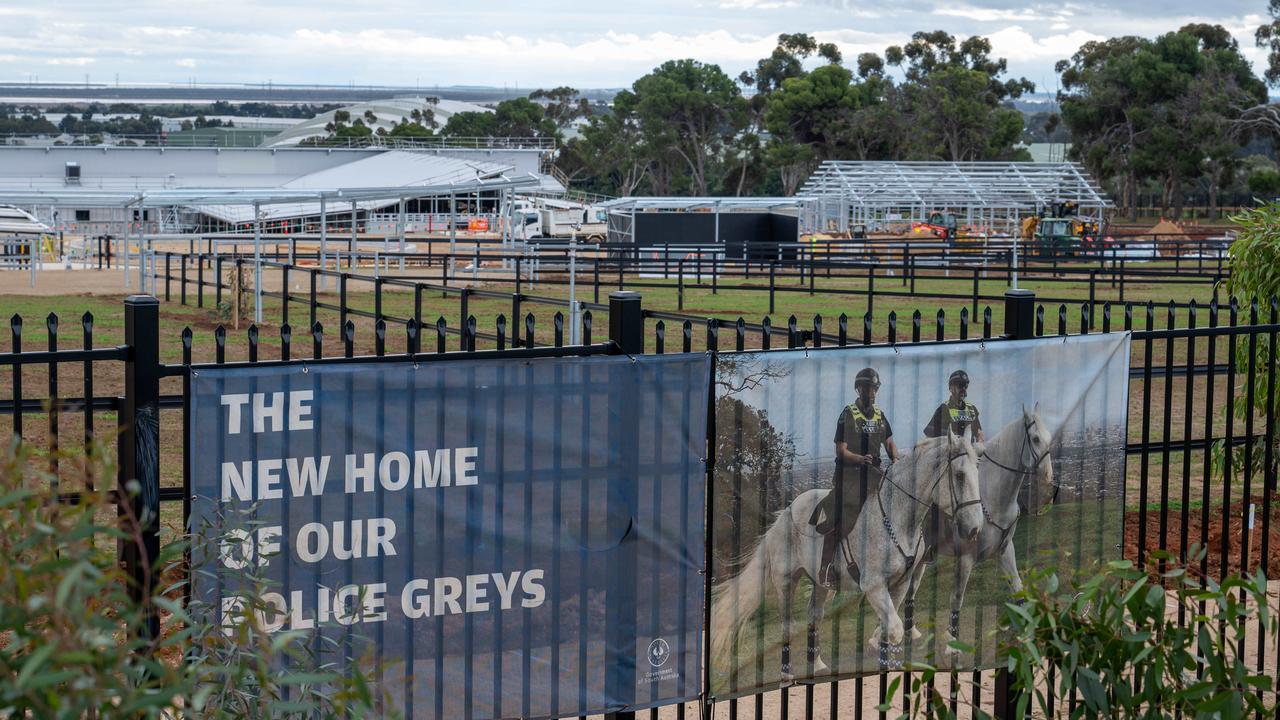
(738, 598)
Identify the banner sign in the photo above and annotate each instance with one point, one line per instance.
(489, 538)
(878, 505)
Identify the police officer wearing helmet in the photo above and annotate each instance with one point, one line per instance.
(863, 439)
(957, 414)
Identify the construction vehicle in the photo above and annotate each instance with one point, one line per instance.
(1061, 232)
(946, 226)
(940, 225)
(550, 218)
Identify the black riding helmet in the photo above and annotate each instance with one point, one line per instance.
(959, 377)
(867, 376)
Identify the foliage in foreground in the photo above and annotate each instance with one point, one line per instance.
(71, 640)
(1132, 646)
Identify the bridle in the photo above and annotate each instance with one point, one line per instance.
(1024, 470)
(956, 508)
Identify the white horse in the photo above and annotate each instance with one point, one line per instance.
(884, 545)
(1010, 463)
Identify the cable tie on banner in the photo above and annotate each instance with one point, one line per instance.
(982, 345)
(896, 349)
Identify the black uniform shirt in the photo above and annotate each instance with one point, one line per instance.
(957, 419)
(863, 434)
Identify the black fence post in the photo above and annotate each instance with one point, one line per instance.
(871, 289)
(199, 281)
(680, 285)
(139, 448)
(976, 286)
(626, 331)
(1019, 314)
(772, 284)
(1019, 324)
(626, 321)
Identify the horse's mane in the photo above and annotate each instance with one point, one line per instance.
(933, 449)
(1013, 430)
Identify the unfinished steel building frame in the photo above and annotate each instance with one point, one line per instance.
(887, 197)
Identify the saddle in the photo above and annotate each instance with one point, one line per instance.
(823, 520)
(823, 516)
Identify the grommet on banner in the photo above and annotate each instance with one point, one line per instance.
(194, 374)
(305, 369)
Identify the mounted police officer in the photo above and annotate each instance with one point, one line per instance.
(957, 414)
(863, 439)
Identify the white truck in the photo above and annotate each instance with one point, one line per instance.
(549, 218)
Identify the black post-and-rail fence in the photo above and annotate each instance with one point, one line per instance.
(307, 280)
(1192, 465)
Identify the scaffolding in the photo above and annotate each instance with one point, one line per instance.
(992, 197)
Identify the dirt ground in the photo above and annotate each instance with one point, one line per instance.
(1234, 532)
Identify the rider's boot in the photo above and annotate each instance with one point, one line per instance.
(827, 574)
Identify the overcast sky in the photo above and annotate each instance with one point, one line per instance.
(538, 43)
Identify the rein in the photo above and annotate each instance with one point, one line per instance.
(884, 515)
(1024, 471)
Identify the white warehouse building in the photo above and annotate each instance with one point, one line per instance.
(78, 189)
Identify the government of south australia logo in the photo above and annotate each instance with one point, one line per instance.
(659, 652)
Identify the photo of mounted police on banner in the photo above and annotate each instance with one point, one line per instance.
(873, 506)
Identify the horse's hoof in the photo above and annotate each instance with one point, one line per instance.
(820, 667)
(916, 634)
(949, 649)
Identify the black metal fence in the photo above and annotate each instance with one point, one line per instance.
(200, 279)
(1201, 446)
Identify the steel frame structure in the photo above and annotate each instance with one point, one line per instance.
(995, 196)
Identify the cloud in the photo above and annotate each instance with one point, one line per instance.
(990, 14)
(757, 4)
(546, 43)
(609, 48)
(1018, 45)
(175, 32)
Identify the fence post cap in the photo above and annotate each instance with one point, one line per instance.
(1019, 293)
(624, 295)
(141, 300)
